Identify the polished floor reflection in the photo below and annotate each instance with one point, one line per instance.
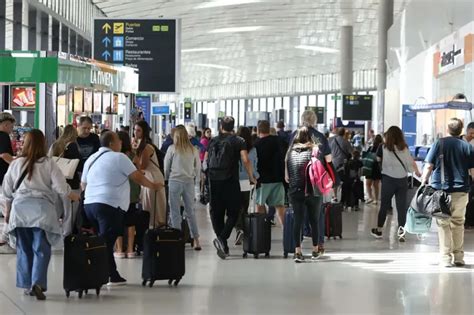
(359, 275)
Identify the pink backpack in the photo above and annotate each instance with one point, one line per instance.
(320, 173)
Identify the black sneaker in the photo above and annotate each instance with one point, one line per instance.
(239, 237)
(298, 258)
(220, 248)
(315, 255)
(117, 281)
(376, 233)
(38, 292)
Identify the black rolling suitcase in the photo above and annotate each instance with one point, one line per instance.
(333, 212)
(257, 231)
(86, 263)
(163, 256)
(289, 242)
(257, 235)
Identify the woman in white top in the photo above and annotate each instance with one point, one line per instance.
(396, 164)
(182, 170)
(30, 187)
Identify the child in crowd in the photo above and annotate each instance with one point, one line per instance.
(352, 187)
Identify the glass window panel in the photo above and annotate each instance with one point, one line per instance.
(78, 101)
(228, 108)
(263, 104)
(97, 102)
(330, 109)
(235, 111)
(278, 103)
(270, 104)
(255, 107)
(106, 99)
(242, 112)
(312, 100)
(87, 101)
(322, 100)
(286, 103)
(303, 105)
(205, 107)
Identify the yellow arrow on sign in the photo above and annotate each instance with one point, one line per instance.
(106, 27)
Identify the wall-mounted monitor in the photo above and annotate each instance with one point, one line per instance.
(23, 97)
(357, 107)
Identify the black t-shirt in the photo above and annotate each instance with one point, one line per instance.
(271, 159)
(5, 147)
(72, 152)
(238, 144)
(87, 147)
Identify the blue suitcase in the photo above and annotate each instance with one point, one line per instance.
(288, 239)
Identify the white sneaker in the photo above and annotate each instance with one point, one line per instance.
(7, 250)
(120, 255)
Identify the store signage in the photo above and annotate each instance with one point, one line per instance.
(151, 46)
(99, 77)
(450, 57)
(160, 109)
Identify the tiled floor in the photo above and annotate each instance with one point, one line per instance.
(359, 275)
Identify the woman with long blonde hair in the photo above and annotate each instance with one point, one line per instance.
(182, 170)
(66, 147)
(29, 189)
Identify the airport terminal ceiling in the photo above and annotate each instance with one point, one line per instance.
(233, 41)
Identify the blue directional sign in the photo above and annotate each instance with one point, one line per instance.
(118, 41)
(118, 55)
(106, 41)
(106, 55)
(160, 110)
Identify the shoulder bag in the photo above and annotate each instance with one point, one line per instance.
(67, 166)
(431, 201)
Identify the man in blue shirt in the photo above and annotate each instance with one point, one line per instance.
(107, 193)
(458, 158)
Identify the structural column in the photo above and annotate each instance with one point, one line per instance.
(346, 48)
(17, 24)
(2, 24)
(385, 16)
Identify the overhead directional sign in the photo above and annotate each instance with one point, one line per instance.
(151, 46)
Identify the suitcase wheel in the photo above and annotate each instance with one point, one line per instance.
(170, 281)
(244, 255)
(340, 236)
(80, 294)
(86, 291)
(97, 291)
(285, 255)
(255, 256)
(68, 293)
(151, 283)
(268, 255)
(176, 282)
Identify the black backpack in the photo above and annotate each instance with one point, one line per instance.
(219, 159)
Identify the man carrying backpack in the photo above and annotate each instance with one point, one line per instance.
(223, 156)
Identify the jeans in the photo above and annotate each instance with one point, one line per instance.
(312, 206)
(390, 187)
(109, 223)
(451, 230)
(32, 258)
(244, 208)
(225, 200)
(186, 191)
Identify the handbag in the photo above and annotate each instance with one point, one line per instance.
(67, 166)
(431, 201)
(417, 223)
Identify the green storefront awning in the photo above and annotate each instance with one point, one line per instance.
(28, 70)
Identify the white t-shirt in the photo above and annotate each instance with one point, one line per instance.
(107, 179)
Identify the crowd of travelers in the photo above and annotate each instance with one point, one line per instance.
(124, 184)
